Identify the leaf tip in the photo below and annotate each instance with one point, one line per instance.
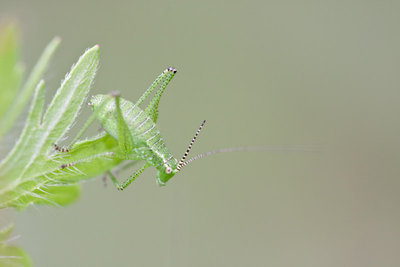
(40, 83)
(95, 48)
(57, 39)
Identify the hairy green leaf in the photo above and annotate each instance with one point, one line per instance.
(10, 72)
(34, 172)
(11, 255)
(21, 99)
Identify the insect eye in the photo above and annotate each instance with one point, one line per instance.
(168, 170)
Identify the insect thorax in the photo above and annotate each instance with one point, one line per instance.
(149, 145)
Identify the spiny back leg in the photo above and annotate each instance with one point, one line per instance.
(154, 85)
(152, 107)
(127, 182)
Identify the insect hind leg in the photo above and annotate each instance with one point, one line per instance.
(157, 82)
(127, 182)
(152, 107)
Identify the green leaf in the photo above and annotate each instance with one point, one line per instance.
(37, 138)
(23, 96)
(11, 255)
(69, 98)
(5, 233)
(89, 158)
(53, 195)
(18, 153)
(32, 172)
(10, 72)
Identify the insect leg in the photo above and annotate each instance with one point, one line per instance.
(125, 139)
(128, 181)
(149, 90)
(114, 180)
(152, 107)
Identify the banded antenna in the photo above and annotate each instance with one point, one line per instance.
(182, 161)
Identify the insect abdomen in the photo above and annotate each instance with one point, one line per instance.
(144, 131)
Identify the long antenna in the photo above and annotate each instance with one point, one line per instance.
(182, 161)
(248, 148)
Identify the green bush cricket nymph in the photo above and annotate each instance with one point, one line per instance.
(137, 135)
(136, 131)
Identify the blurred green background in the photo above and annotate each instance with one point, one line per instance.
(282, 73)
